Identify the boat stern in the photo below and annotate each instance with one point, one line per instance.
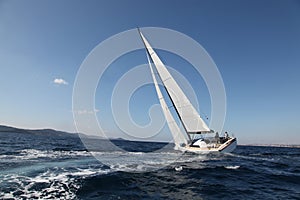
(228, 146)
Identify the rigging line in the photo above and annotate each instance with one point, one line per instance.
(148, 54)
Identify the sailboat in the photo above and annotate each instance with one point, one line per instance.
(192, 138)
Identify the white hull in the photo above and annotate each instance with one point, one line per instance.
(227, 147)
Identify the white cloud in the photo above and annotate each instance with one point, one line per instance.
(60, 81)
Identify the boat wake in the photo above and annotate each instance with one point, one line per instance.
(49, 174)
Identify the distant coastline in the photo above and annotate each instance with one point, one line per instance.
(43, 132)
(273, 145)
(48, 131)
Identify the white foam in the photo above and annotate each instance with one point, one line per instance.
(232, 167)
(31, 154)
(59, 182)
(178, 168)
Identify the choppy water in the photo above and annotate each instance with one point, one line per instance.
(39, 167)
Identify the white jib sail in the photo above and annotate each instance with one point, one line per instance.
(189, 116)
(178, 136)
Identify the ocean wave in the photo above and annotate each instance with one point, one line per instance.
(31, 154)
(72, 174)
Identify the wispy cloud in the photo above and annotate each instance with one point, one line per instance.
(60, 81)
(86, 112)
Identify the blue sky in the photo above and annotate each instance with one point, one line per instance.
(255, 45)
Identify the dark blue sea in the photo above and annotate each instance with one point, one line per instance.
(42, 166)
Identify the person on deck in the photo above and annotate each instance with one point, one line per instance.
(217, 138)
(226, 134)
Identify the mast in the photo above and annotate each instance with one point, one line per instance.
(154, 79)
(178, 137)
(189, 117)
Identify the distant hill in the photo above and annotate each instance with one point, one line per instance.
(44, 132)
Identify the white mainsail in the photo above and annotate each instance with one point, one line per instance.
(190, 118)
(178, 137)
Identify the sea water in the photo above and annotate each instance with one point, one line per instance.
(39, 167)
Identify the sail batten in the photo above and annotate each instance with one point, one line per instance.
(190, 118)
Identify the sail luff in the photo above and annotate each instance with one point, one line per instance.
(190, 118)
